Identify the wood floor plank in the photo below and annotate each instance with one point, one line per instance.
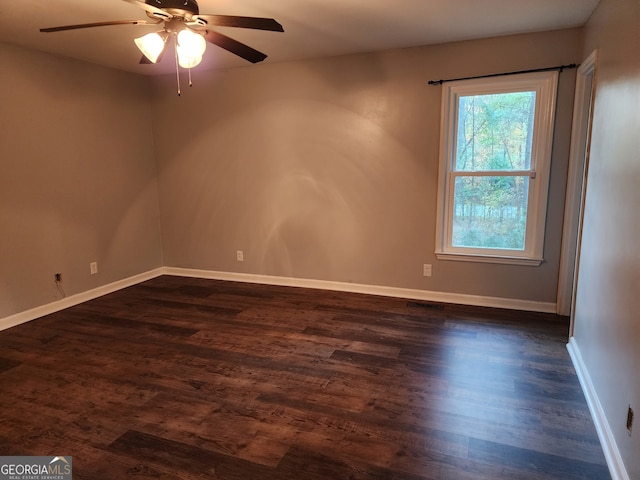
(176, 456)
(537, 462)
(185, 378)
(7, 364)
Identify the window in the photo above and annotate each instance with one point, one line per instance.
(495, 155)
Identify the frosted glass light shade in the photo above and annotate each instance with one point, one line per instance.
(151, 45)
(185, 61)
(191, 47)
(192, 44)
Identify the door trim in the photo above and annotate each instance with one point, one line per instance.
(576, 185)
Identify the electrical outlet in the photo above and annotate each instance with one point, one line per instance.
(630, 420)
(426, 270)
(58, 277)
(240, 256)
(93, 268)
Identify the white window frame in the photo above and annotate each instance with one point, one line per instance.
(545, 86)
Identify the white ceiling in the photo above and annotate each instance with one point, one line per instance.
(313, 28)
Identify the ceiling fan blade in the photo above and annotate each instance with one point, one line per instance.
(98, 24)
(151, 10)
(250, 54)
(257, 23)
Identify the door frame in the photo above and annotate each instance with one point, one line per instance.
(576, 186)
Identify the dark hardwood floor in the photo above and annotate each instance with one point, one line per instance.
(181, 378)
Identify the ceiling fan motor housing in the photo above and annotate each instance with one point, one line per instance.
(176, 7)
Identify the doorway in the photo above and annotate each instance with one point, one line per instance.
(576, 186)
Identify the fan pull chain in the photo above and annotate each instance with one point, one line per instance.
(177, 71)
(190, 82)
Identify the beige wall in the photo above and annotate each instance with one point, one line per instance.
(77, 178)
(327, 169)
(323, 169)
(607, 323)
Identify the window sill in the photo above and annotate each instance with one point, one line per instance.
(483, 258)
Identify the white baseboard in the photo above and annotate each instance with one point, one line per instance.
(424, 295)
(607, 440)
(72, 300)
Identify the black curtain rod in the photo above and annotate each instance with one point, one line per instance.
(548, 69)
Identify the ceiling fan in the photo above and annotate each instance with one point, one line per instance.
(182, 21)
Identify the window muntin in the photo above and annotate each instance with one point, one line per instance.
(495, 160)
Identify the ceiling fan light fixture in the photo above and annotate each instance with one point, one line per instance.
(192, 44)
(151, 45)
(186, 61)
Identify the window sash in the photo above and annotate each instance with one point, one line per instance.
(516, 115)
(451, 213)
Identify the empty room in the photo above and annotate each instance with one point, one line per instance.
(319, 240)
